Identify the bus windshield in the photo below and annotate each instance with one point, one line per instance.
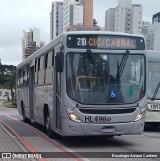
(93, 78)
(154, 79)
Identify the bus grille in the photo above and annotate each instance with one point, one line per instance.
(107, 111)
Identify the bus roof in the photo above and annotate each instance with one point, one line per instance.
(64, 34)
(101, 33)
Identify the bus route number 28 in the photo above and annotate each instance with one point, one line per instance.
(81, 42)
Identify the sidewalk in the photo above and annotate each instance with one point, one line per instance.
(8, 143)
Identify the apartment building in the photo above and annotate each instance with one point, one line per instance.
(31, 42)
(124, 18)
(56, 19)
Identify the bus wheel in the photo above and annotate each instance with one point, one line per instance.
(25, 119)
(50, 133)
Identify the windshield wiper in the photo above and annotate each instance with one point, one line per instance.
(122, 65)
(94, 61)
(155, 92)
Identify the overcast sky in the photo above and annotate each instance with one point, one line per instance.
(19, 15)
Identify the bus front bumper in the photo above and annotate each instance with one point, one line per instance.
(71, 128)
(152, 116)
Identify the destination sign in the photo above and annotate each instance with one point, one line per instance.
(112, 42)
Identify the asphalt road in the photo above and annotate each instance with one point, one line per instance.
(90, 148)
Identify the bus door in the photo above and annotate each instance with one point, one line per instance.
(58, 99)
(31, 93)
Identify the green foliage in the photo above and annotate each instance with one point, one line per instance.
(95, 22)
(8, 77)
(9, 104)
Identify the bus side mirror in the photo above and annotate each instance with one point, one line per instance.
(59, 62)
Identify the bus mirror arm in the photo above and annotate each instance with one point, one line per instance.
(59, 62)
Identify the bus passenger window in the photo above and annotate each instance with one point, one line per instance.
(20, 73)
(46, 61)
(41, 63)
(18, 78)
(36, 71)
(41, 71)
(50, 57)
(53, 58)
(38, 64)
(48, 72)
(35, 68)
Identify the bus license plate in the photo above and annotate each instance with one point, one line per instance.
(107, 129)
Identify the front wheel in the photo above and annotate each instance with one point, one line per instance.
(49, 131)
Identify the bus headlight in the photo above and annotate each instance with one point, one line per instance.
(73, 116)
(139, 115)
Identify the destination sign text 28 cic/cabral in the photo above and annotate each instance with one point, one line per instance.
(113, 42)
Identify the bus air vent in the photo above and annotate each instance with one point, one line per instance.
(107, 111)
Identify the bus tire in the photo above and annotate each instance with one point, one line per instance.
(49, 131)
(25, 119)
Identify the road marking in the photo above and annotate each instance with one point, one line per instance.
(59, 146)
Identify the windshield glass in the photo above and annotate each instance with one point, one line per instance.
(154, 79)
(93, 78)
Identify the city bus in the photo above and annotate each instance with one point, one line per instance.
(153, 107)
(86, 83)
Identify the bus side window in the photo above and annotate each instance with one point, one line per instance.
(41, 71)
(53, 58)
(36, 71)
(20, 75)
(35, 68)
(38, 64)
(25, 76)
(50, 59)
(18, 78)
(49, 70)
(46, 61)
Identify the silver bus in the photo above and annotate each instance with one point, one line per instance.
(153, 107)
(86, 83)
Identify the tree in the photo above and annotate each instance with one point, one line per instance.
(8, 78)
(95, 22)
